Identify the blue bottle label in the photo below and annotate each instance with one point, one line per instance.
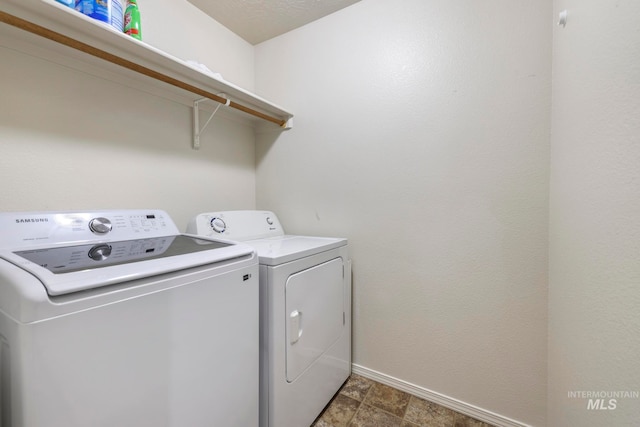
(70, 3)
(97, 9)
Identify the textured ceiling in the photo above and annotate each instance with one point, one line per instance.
(259, 20)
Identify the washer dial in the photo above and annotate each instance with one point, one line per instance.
(100, 252)
(100, 225)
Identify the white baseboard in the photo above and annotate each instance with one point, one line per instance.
(435, 397)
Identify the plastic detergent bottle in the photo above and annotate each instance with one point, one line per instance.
(97, 9)
(116, 14)
(70, 3)
(132, 24)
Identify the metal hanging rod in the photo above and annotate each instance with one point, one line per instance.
(114, 59)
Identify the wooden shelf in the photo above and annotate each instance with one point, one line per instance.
(59, 34)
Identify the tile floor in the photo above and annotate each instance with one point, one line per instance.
(362, 402)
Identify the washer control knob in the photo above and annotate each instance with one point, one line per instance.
(100, 252)
(100, 225)
(218, 225)
(269, 220)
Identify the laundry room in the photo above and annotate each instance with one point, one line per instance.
(481, 159)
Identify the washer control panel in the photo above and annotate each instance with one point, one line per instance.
(65, 259)
(50, 228)
(236, 225)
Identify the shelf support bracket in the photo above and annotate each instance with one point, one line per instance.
(197, 131)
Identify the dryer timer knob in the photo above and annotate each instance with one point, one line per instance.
(100, 225)
(218, 225)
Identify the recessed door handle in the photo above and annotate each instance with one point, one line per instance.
(295, 326)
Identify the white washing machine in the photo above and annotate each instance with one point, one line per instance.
(114, 318)
(305, 313)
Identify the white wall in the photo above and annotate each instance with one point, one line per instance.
(422, 135)
(179, 28)
(594, 302)
(74, 141)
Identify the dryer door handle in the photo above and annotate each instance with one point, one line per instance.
(295, 326)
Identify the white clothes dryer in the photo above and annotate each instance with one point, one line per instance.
(305, 313)
(114, 318)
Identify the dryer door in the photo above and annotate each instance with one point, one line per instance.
(315, 314)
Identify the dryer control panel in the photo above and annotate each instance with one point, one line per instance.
(236, 225)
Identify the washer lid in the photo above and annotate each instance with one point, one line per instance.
(67, 269)
(282, 249)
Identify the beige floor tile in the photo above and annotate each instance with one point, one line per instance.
(339, 412)
(428, 414)
(362, 402)
(465, 421)
(388, 398)
(321, 423)
(356, 387)
(370, 416)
